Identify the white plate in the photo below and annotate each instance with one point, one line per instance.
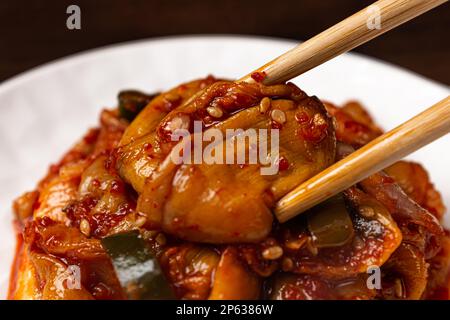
(44, 111)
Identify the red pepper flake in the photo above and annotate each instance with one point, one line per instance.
(124, 209)
(387, 180)
(91, 136)
(160, 107)
(276, 125)
(36, 204)
(182, 88)
(117, 186)
(283, 164)
(315, 130)
(46, 222)
(95, 183)
(302, 117)
(259, 76)
(102, 292)
(102, 223)
(54, 168)
(148, 146)
(313, 133)
(110, 163)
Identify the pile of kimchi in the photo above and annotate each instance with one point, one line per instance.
(114, 219)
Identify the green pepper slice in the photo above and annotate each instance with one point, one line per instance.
(330, 224)
(131, 102)
(137, 268)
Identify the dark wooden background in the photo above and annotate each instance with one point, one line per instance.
(33, 32)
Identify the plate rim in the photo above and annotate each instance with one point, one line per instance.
(78, 57)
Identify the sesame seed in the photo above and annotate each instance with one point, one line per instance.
(85, 227)
(318, 119)
(366, 211)
(358, 243)
(172, 97)
(296, 244)
(140, 221)
(215, 112)
(398, 287)
(181, 121)
(287, 264)
(149, 234)
(311, 247)
(161, 239)
(272, 253)
(278, 116)
(264, 105)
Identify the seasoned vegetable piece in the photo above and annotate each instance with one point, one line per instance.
(241, 214)
(131, 102)
(118, 218)
(415, 182)
(190, 269)
(286, 286)
(374, 238)
(147, 120)
(232, 280)
(405, 274)
(137, 267)
(330, 224)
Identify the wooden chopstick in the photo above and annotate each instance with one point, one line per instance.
(371, 158)
(342, 37)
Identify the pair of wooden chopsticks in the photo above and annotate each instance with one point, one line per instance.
(386, 149)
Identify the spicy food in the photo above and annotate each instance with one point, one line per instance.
(114, 219)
